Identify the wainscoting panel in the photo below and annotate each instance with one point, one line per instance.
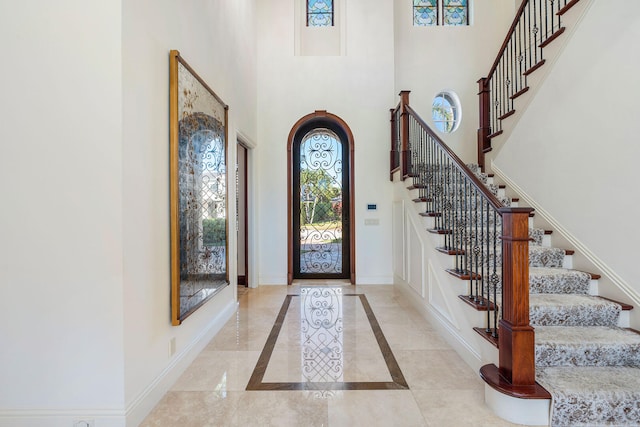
(415, 257)
(398, 242)
(437, 297)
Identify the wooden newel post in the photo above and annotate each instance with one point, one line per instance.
(404, 133)
(516, 336)
(394, 156)
(484, 143)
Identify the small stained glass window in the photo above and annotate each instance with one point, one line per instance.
(319, 13)
(445, 111)
(425, 12)
(440, 12)
(455, 12)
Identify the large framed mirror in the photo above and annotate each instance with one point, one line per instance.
(198, 190)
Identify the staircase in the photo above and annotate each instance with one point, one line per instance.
(585, 354)
(558, 341)
(587, 359)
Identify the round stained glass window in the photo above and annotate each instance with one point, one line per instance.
(446, 112)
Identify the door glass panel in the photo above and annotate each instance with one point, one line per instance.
(321, 216)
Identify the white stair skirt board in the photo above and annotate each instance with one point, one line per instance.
(530, 412)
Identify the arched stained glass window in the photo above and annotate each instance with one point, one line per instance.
(428, 13)
(320, 13)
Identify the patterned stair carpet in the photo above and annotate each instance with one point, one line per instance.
(593, 396)
(541, 256)
(589, 364)
(586, 346)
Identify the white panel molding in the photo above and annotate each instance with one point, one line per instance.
(445, 312)
(399, 239)
(581, 247)
(412, 232)
(453, 336)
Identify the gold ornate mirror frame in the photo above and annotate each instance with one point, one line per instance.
(198, 190)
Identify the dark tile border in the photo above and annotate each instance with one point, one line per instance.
(398, 383)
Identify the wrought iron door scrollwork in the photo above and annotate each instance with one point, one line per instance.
(321, 203)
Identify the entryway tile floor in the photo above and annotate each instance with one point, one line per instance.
(321, 354)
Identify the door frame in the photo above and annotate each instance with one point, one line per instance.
(320, 116)
(243, 213)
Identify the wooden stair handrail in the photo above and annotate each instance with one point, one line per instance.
(493, 200)
(531, 31)
(516, 336)
(512, 28)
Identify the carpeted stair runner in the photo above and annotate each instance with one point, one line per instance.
(586, 346)
(589, 364)
(572, 310)
(593, 395)
(555, 280)
(542, 256)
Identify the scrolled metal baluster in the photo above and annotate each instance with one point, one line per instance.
(521, 56)
(459, 220)
(483, 239)
(429, 173)
(476, 254)
(447, 205)
(494, 277)
(529, 43)
(546, 21)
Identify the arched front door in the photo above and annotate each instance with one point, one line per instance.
(321, 199)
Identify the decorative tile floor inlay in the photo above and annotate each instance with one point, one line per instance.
(324, 339)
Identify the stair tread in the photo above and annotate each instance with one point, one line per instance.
(572, 310)
(592, 395)
(555, 280)
(592, 378)
(586, 346)
(578, 335)
(546, 256)
(568, 300)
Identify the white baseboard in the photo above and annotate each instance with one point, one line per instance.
(62, 418)
(140, 407)
(374, 280)
(272, 280)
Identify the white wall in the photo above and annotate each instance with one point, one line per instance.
(84, 270)
(430, 59)
(61, 221)
(575, 150)
(217, 38)
(358, 87)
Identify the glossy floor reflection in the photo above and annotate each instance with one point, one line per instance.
(327, 365)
